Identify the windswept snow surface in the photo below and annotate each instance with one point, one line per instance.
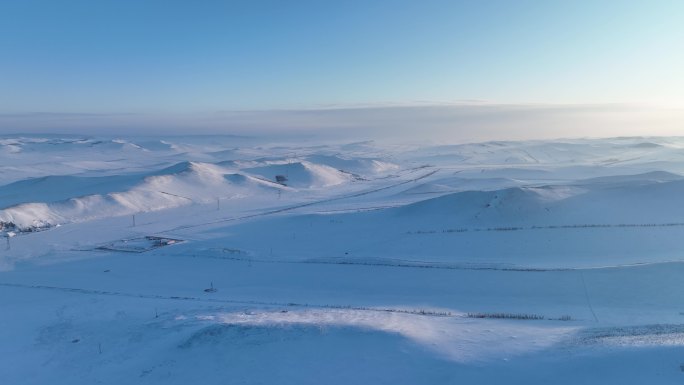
(220, 260)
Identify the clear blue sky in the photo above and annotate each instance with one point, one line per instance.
(143, 56)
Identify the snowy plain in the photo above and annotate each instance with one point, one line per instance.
(232, 260)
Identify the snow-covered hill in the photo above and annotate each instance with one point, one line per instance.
(303, 174)
(223, 259)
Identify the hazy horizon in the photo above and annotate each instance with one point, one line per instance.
(456, 71)
(451, 123)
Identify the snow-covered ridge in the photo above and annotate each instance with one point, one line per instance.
(303, 174)
(51, 200)
(528, 179)
(623, 199)
(184, 183)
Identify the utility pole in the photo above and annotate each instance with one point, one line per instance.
(218, 204)
(133, 220)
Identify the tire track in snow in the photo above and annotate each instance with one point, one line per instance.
(416, 264)
(586, 294)
(420, 312)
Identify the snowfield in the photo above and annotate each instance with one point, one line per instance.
(222, 259)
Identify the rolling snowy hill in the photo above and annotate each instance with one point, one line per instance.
(186, 260)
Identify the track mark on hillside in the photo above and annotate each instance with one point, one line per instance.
(302, 205)
(402, 263)
(412, 264)
(547, 227)
(420, 312)
(586, 294)
(176, 195)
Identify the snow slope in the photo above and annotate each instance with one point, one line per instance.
(303, 174)
(500, 262)
(520, 227)
(56, 200)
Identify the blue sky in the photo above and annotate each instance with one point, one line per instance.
(186, 57)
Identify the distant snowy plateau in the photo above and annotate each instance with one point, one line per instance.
(233, 260)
